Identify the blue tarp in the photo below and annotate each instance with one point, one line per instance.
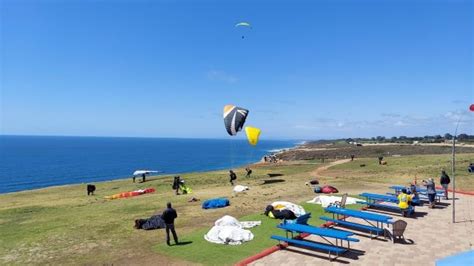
(215, 203)
(463, 258)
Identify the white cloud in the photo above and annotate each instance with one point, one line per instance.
(391, 125)
(218, 75)
(400, 124)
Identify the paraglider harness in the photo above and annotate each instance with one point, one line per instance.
(284, 214)
(178, 184)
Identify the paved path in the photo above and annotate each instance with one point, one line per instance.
(429, 238)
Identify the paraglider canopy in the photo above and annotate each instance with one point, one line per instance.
(252, 135)
(243, 24)
(145, 172)
(234, 118)
(471, 107)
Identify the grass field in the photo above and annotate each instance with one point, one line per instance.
(62, 225)
(404, 169)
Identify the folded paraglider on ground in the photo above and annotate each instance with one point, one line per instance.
(215, 203)
(228, 230)
(154, 222)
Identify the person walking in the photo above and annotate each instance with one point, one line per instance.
(431, 191)
(444, 180)
(169, 215)
(249, 171)
(176, 184)
(232, 177)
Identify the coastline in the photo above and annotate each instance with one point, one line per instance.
(159, 176)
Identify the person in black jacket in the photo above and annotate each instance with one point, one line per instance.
(444, 181)
(176, 183)
(232, 177)
(168, 216)
(249, 171)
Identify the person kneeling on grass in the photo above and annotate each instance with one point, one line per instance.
(404, 203)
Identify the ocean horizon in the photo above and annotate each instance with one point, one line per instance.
(32, 162)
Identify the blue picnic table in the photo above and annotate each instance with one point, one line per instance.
(373, 200)
(379, 197)
(324, 233)
(375, 221)
(420, 191)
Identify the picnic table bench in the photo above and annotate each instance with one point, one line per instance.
(324, 233)
(373, 200)
(421, 191)
(374, 221)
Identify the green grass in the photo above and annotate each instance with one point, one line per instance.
(201, 251)
(61, 225)
(404, 169)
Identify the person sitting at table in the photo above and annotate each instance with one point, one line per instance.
(412, 190)
(404, 202)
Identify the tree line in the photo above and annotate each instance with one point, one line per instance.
(405, 139)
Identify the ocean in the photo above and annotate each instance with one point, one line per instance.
(29, 162)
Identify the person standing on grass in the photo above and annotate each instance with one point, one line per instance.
(444, 180)
(431, 191)
(232, 177)
(249, 171)
(168, 216)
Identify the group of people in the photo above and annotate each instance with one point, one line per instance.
(270, 158)
(233, 175)
(409, 197)
(143, 178)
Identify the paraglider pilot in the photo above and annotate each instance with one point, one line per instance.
(176, 183)
(249, 171)
(232, 177)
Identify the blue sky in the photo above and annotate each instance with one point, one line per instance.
(306, 69)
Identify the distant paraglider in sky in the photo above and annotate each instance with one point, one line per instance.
(252, 135)
(234, 118)
(471, 107)
(244, 26)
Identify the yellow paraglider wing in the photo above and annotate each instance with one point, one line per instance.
(252, 135)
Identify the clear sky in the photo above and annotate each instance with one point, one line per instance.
(306, 69)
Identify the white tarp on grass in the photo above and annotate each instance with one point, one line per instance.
(240, 188)
(228, 230)
(325, 201)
